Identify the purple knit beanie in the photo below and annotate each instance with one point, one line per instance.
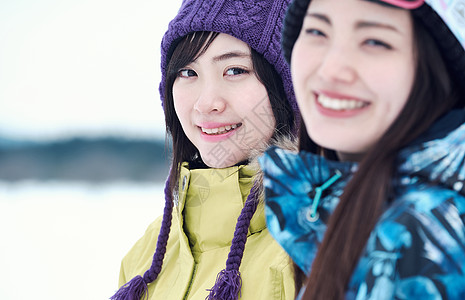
(257, 23)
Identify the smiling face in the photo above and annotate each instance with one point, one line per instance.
(353, 68)
(223, 108)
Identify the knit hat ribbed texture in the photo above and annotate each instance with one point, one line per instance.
(257, 23)
(445, 20)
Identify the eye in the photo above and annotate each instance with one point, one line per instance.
(377, 43)
(314, 32)
(236, 71)
(186, 73)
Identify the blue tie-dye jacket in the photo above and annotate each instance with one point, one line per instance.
(417, 248)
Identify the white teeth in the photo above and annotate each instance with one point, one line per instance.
(339, 104)
(220, 130)
(207, 130)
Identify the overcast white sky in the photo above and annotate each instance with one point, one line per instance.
(87, 67)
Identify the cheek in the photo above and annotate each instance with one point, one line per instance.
(250, 99)
(268, 119)
(301, 78)
(178, 108)
(263, 117)
(303, 65)
(259, 118)
(298, 69)
(396, 94)
(182, 103)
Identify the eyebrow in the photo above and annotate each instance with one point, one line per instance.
(319, 17)
(367, 24)
(230, 55)
(358, 25)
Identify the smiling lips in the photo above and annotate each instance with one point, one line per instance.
(340, 104)
(220, 130)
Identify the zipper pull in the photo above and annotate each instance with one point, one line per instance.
(313, 214)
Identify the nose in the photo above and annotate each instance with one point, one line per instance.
(210, 99)
(337, 66)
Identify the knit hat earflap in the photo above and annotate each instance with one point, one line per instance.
(445, 20)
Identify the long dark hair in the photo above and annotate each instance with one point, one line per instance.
(187, 50)
(433, 94)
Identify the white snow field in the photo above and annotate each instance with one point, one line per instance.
(61, 240)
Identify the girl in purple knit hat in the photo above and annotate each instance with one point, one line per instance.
(227, 94)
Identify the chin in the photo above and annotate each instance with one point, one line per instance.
(217, 164)
(337, 142)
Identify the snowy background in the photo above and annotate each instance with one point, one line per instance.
(65, 240)
(86, 68)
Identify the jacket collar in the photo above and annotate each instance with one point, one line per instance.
(438, 156)
(291, 180)
(209, 203)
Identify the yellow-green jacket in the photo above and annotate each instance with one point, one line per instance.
(204, 219)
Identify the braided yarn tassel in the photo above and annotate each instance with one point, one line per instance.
(228, 282)
(137, 287)
(132, 290)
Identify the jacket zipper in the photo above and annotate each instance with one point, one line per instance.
(190, 283)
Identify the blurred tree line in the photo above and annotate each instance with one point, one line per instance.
(83, 159)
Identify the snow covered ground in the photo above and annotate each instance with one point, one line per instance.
(61, 240)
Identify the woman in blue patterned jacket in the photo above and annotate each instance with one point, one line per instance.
(373, 204)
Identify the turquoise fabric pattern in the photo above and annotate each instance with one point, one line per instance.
(417, 248)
